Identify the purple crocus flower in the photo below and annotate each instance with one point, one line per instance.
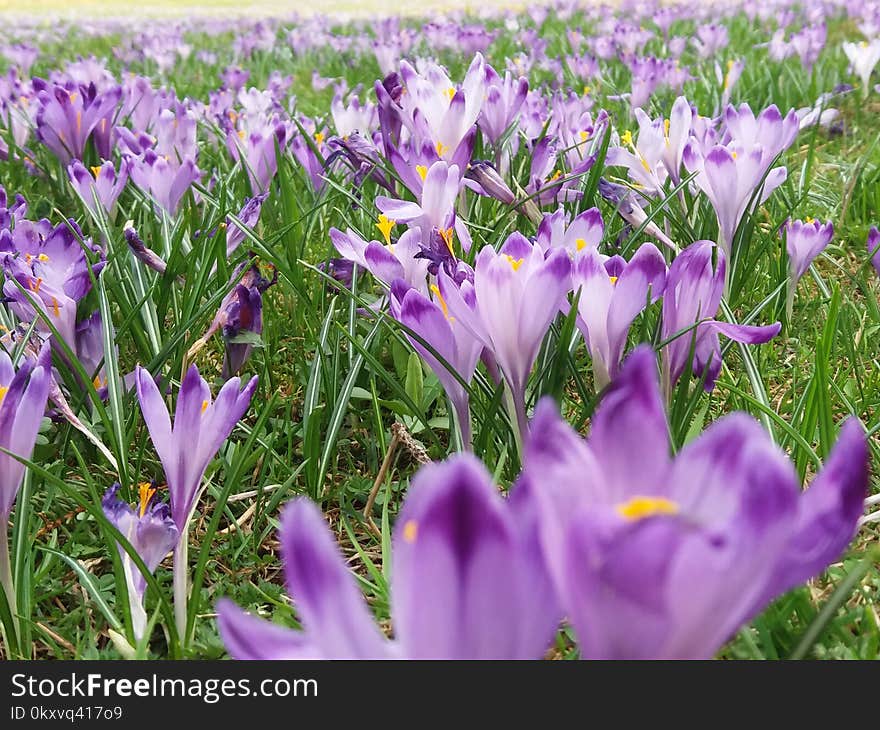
(449, 113)
(187, 447)
(53, 270)
(386, 262)
(612, 294)
(101, 186)
(694, 286)
(804, 241)
(67, 117)
(468, 581)
(666, 557)
(23, 395)
(584, 232)
(769, 129)
(518, 293)
(254, 148)
(200, 428)
(151, 532)
(164, 181)
(730, 177)
(435, 213)
(504, 99)
(454, 343)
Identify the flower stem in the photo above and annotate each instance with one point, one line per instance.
(181, 585)
(6, 582)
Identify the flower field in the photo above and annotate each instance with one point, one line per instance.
(481, 334)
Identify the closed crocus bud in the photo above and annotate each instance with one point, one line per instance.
(146, 255)
(486, 176)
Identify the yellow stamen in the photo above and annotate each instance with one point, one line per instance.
(450, 92)
(410, 531)
(55, 310)
(28, 258)
(241, 135)
(145, 492)
(584, 135)
(587, 90)
(3, 391)
(204, 406)
(96, 169)
(580, 243)
(43, 258)
(441, 301)
(385, 225)
(97, 382)
(626, 138)
(733, 154)
(514, 263)
(442, 149)
(36, 284)
(809, 219)
(319, 138)
(613, 280)
(640, 507)
(556, 175)
(423, 171)
(446, 235)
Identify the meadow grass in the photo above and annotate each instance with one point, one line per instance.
(333, 382)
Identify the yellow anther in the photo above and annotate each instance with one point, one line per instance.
(446, 234)
(587, 90)
(145, 494)
(441, 149)
(385, 225)
(410, 531)
(613, 280)
(733, 154)
(55, 310)
(319, 138)
(514, 263)
(640, 507)
(241, 135)
(423, 171)
(204, 406)
(435, 290)
(96, 170)
(580, 243)
(35, 285)
(666, 129)
(3, 391)
(584, 135)
(450, 93)
(626, 138)
(42, 258)
(556, 175)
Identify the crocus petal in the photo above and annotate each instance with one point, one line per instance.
(827, 512)
(326, 596)
(631, 412)
(459, 584)
(250, 638)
